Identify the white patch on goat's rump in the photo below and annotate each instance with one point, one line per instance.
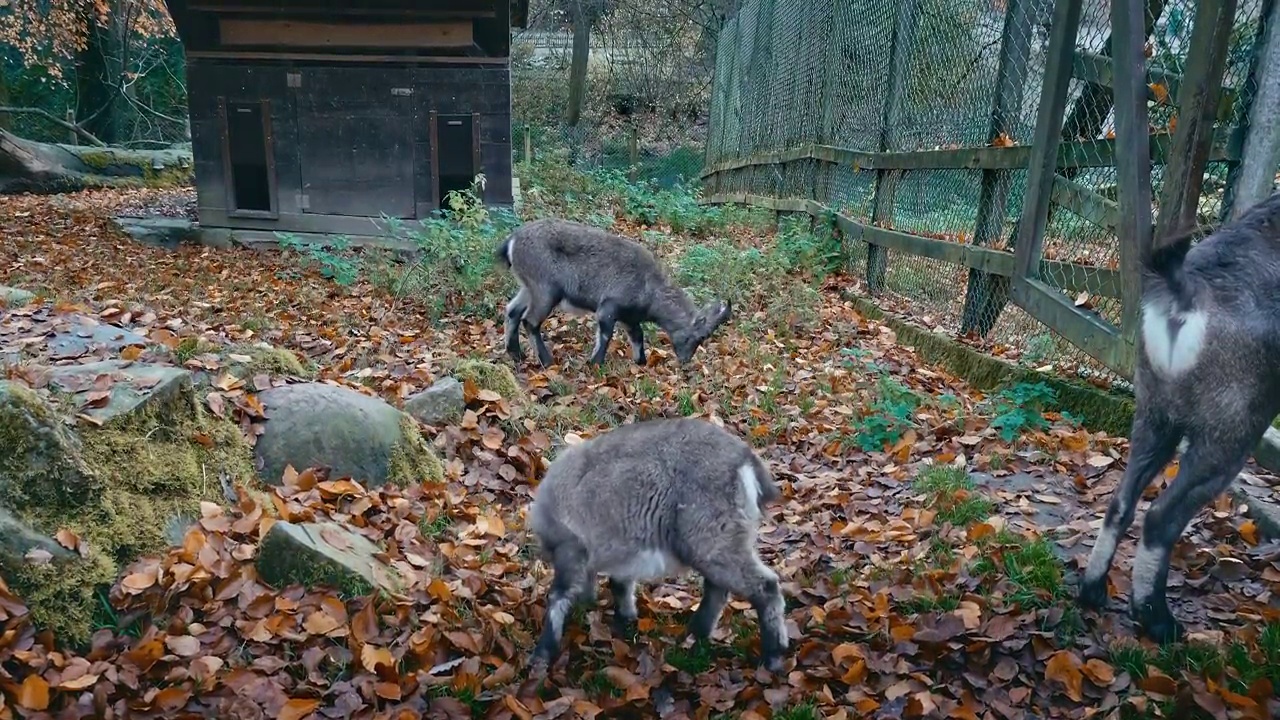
(1173, 351)
(750, 490)
(646, 564)
(511, 257)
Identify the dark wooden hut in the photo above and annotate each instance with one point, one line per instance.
(322, 115)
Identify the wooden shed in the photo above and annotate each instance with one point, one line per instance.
(323, 115)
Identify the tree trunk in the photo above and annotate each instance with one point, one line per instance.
(4, 99)
(578, 65)
(97, 81)
(44, 168)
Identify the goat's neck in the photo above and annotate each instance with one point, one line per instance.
(672, 309)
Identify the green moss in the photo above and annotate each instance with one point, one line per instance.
(133, 170)
(265, 358)
(412, 460)
(41, 464)
(62, 595)
(489, 376)
(148, 467)
(1096, 408)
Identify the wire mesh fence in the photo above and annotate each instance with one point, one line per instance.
(875, 76)
(649, 74)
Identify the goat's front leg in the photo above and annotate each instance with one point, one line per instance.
(1208, 466)
(1154, 443)
(635, 333)
(623, 591)
(606, 316)
(568, 586)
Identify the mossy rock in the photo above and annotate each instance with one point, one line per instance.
(245, 361)
(137, 473)
(490, 376)
(15, 297)
(316, 555)
(353, 434)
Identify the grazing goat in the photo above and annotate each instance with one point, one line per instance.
(583, 270)
(649, 500)
(1207, 371)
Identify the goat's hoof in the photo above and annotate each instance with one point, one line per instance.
(623, 626)
(1092, 595)
(1156, 622)
(773, 663)
(542, 656)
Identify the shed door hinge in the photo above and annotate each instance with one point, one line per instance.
(294, 79)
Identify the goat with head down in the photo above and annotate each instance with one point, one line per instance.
(585, 270)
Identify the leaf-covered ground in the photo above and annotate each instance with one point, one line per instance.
(929, 537)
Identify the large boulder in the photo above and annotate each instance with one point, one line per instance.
(15, 297)
(113, 455)
(353, 434)
(489, 376)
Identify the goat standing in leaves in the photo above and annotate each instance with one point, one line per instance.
(646, 501)
(583, 269)
(1207, 371)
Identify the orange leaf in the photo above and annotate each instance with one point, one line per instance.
(80, 683)
(1249, 531)
(34, 693)
(1064, 667)
(371, 657)
(133, 352)
(387, 690)
(1099, 672)
(171, 699)
(67, 539)
(297, 708)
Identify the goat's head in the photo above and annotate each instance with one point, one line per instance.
(701, 326)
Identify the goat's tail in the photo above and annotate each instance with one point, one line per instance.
(1165, 264)
(502, 253)
(769, 490)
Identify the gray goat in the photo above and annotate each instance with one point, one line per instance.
(1207, 372)
(649, 500)
(583, 269)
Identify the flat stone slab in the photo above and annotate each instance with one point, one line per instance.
(323, 554)
(112, 389)
(1263, 500)
(20, 542)
(165, 232)
(15, 297)
(86, 336)
(1267, 454)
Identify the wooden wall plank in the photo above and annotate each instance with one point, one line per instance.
(239, 32)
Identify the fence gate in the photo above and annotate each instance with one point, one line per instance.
(1121, 82)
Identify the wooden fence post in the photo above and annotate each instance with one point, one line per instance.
(633, 153)
(1253, 179)
(1198, 96)
(1011, 76)
(72, 138)
(528, 146)
(900, 51)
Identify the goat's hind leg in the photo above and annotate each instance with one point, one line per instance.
(635, 333)
(1208, 466)
(516, 308)
(606, 317)
(747, 576)
(540, 306)
(1154, 443)
(569, 585)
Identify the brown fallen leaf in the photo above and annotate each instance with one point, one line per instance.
(1099, 672)
(1064, 667)
(33, 694)
(297, 708)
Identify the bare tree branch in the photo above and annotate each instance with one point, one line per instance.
(55, 120)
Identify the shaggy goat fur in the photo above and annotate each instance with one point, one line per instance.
(1207, 371)
(584, 270)
(649, 500)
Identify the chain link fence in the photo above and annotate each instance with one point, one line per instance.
(877, 76)
(647, 93)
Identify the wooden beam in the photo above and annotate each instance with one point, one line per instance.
(1086, 203)
(236, 32)
(993, 199)
(1092, 334)
(1071, 155)
(1097, 281)
(342, 57)
(1197, 104)
(1053, 104)
(1098, 69)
